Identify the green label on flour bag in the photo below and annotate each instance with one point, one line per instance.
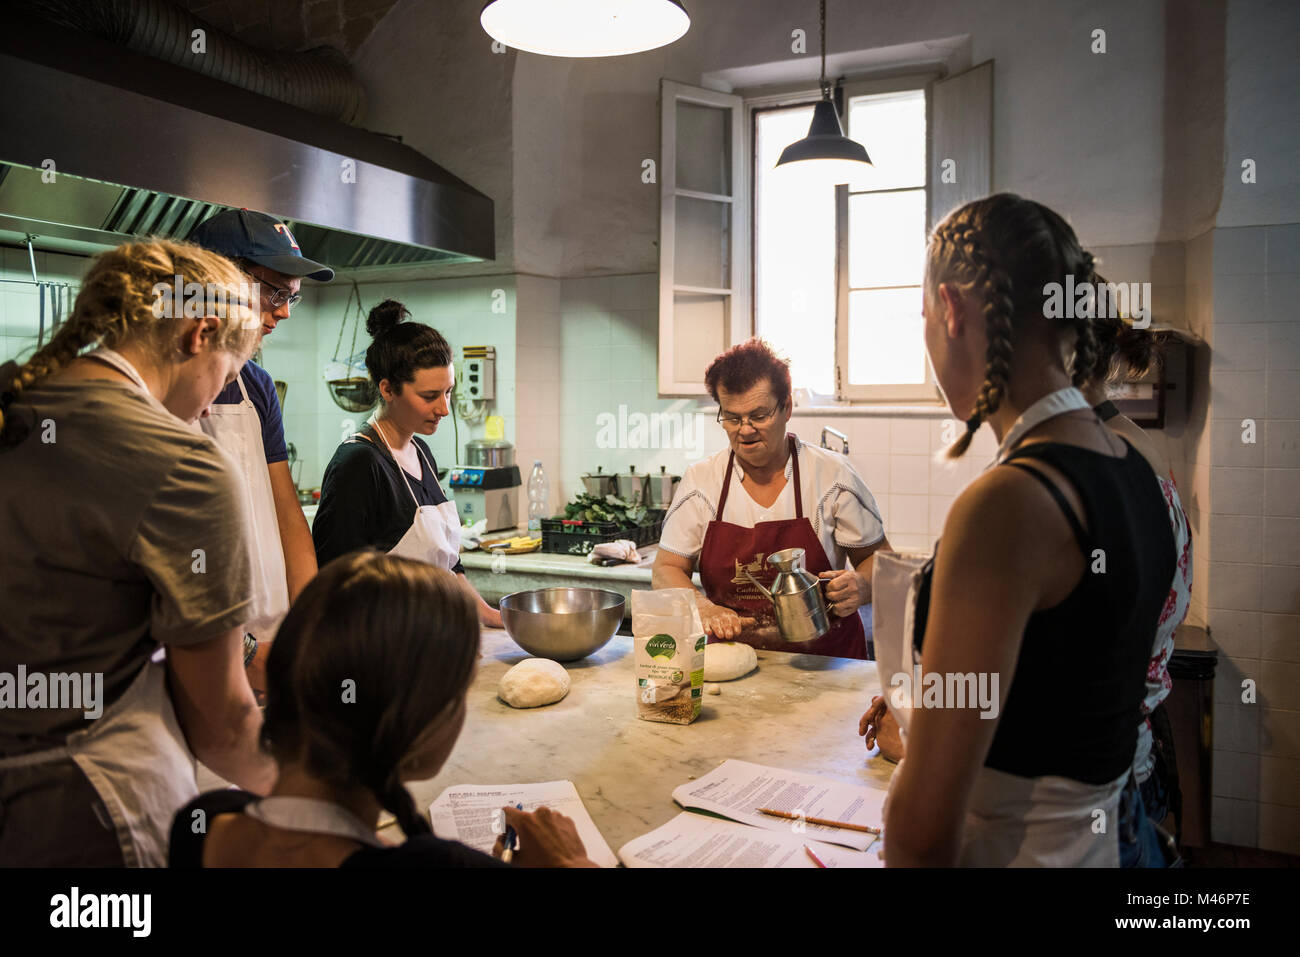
(668, 654)
(661, 646)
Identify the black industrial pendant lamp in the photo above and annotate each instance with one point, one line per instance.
(826, 153)
(581, 28)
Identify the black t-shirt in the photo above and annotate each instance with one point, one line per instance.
(424, 850)
(364, 500)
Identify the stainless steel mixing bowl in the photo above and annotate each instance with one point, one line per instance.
(563, 624)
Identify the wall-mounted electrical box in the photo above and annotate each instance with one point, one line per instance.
(478, 378)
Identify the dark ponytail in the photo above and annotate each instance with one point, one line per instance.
(375, 651)
(394, 798)
(400, 348)
(1122, 349)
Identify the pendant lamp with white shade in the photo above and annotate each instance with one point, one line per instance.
(825, 154)
(584, 28)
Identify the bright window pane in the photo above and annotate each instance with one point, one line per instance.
(886, 338)
(794, 255)
(886, 238)
(891, 126)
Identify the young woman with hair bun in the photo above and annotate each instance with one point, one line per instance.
(366, 689)
(1050, 576)
(381, 487)
(124, 535)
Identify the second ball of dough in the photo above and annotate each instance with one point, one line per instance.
(533, 682)
(725, 660)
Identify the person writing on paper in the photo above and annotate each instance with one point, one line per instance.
(1064, 544)
(381, 487)
(766, 492)
(123, 536)
(404, 634)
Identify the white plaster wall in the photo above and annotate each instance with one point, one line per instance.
(1082, 132)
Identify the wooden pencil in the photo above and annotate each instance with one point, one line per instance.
(824, 822)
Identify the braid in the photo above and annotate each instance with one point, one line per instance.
(1085, 344)
(1002, 251)
(396, 799)
(998, 310)
(67, 341)
(117, 300)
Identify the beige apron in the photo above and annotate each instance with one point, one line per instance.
(134, 755)
(1012, 821)
(237, 430)
(136, 758)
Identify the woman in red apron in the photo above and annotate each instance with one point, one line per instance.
(836, 523)
(727, 545)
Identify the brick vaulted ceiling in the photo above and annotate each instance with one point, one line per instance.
(292, 25)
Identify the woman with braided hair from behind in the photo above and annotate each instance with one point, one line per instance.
(1122, 351)
(366, 689)
(1060, 553)
(124, 535)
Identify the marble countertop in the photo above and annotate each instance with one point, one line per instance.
(798, 712)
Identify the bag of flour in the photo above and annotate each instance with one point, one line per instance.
(668, 654)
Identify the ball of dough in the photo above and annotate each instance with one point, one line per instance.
(534, 682)
(712, 689)
(725, 660)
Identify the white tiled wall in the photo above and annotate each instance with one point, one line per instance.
(539, 384)
(1254, 534)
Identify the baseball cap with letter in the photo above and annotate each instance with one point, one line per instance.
(257, 237)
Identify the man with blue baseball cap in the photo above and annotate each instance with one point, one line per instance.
(245, 420)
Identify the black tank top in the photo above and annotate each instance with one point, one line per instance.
(1074, 704)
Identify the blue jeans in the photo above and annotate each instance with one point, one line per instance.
(1140, 844)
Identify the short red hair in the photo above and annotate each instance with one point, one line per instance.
(741, 367)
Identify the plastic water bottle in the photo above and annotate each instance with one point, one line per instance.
(539, 497)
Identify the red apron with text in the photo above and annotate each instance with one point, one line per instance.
(729, 549)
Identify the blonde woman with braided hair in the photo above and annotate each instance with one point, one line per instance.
(124, 535)
(1049, 578)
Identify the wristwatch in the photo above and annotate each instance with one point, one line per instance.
(250, 649)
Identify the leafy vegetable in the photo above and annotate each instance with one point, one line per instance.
(611, 508)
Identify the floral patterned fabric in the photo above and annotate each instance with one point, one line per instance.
(1180, 593)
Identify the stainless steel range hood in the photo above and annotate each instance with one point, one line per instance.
(140, 147)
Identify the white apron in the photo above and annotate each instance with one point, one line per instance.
(434, 535)
(134, 754)
(1012, 821)
(237, 430)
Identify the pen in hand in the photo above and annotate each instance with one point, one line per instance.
(510, 840)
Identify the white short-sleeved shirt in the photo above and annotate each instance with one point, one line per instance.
(836, 500)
